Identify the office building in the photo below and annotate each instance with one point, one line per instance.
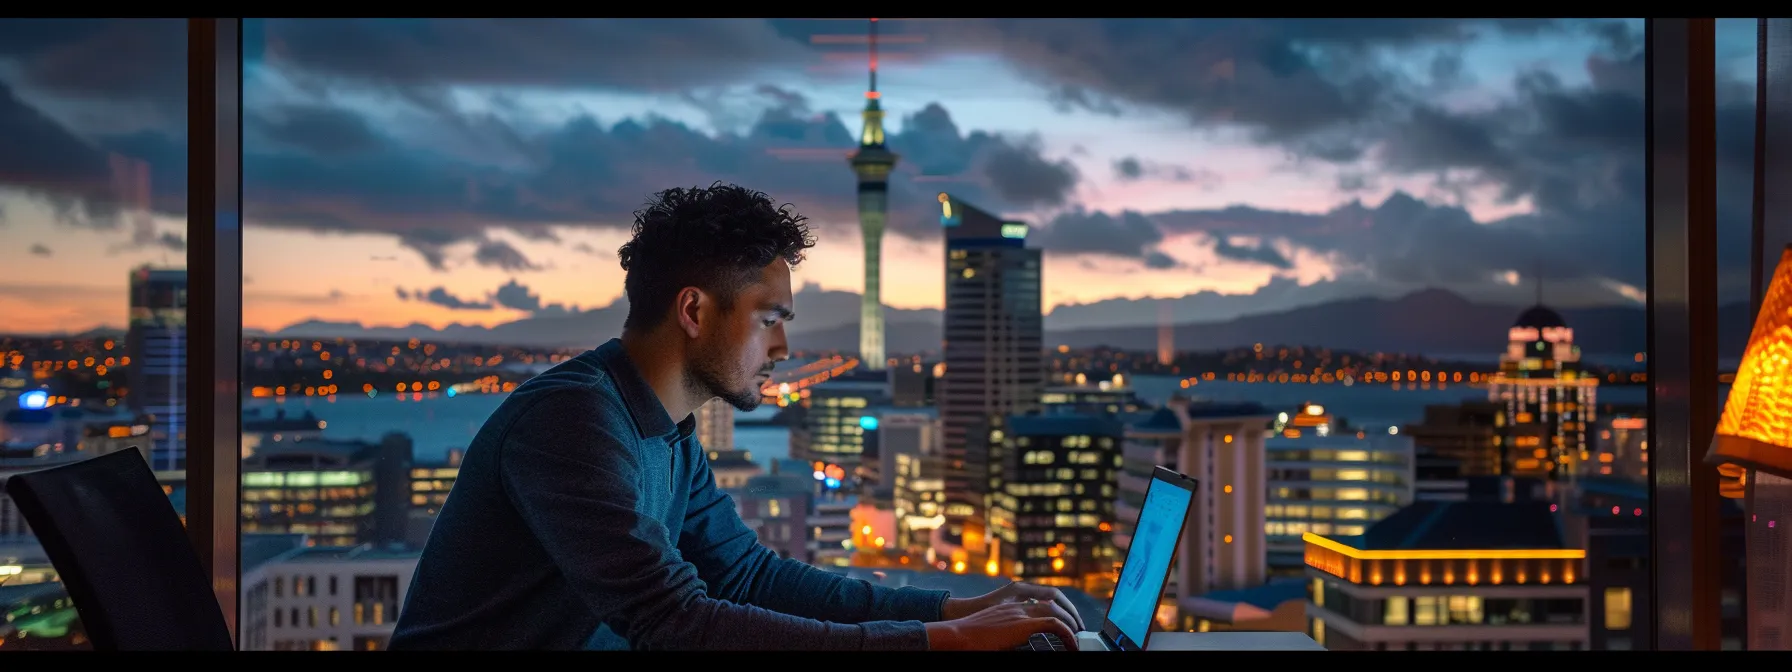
(994, 358)
(1112, 396)
(157, 348)
(1612, 514)
(733, 468)
(776, 505)
(1221, 445)
(1450, 576)
(1621, 443)
(715, 425)
(1453, 444)
(1548, 400)
(1329, 478)
(325, 598)
(905, 478)
(835, 416)
(872, 163)
(340, 493)
(1051, 521)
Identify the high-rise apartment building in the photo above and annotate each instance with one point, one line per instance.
(994, 359)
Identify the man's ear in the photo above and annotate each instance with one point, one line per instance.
(689, 311)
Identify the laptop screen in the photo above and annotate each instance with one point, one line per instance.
(1148, 560)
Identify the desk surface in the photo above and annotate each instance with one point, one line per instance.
(1232, 641)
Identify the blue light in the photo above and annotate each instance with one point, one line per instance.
(868, 422)
(451, 392)
(833, 483)
(34, 400)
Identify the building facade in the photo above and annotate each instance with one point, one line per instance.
(1052, 520)
(994, 357)
(157, 348)
(1450, 576)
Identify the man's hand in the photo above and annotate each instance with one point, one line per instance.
(957, 608)
(1002, 627)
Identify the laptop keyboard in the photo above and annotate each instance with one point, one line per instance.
(1042, 641)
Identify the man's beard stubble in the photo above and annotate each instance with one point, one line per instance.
(711, 379)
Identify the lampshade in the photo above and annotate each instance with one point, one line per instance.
(1756, 428)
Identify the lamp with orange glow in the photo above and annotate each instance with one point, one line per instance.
(1755, 431)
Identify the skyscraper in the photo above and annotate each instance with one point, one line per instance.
(993, 347)
(872, 162)
(157, 346)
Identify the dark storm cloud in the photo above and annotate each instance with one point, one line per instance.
(441, 297)
(1130, 235)
(110, 60)
(499, 254)
(587, 173)
(1291, 81)
(666, 55)
(1132, 168)
(89, 181)
(1260, 253)
(517, 296)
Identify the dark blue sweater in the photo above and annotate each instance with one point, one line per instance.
(584, 517)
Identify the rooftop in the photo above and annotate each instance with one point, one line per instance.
(1456, 526)
(1199, 410)
(1064, 425)
(1160, 420)
(362, 553)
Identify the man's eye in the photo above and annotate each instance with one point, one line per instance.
(771, 322)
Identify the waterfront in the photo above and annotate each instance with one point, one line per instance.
(440, 423)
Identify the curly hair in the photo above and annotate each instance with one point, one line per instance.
(716, 239)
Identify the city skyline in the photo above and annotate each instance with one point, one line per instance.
(392, 170)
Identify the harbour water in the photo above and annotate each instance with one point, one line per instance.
(441, 423)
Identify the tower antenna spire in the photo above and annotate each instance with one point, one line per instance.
(872, 92)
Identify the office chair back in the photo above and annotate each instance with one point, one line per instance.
(122, 554)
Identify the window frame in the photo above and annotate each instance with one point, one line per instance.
(215, 303)
(1681, 264)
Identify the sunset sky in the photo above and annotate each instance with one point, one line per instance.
(482, 171)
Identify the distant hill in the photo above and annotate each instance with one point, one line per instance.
(1428, 321)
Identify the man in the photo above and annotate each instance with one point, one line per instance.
(585, 514)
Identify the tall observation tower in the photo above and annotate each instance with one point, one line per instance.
(873, 162)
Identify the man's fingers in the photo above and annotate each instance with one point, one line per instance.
(1062, 600)
(1057, 627)
(1053, 611)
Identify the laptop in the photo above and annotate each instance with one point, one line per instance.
(1127, 625)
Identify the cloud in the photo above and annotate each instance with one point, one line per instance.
(1129, 235)
(331, 297)
(1259, 253)
(663, 55)
(586, 173)
(516, 296)
(440, 296)
(439, 154)
(500, 255)
(1132, 168)
(39, 249)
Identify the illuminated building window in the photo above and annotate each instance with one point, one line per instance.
(1398, 612)
(1617, 608)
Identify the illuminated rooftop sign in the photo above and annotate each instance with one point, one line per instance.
(1014, 230)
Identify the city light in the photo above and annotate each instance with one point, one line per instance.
(34, 400)
(868, 422)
